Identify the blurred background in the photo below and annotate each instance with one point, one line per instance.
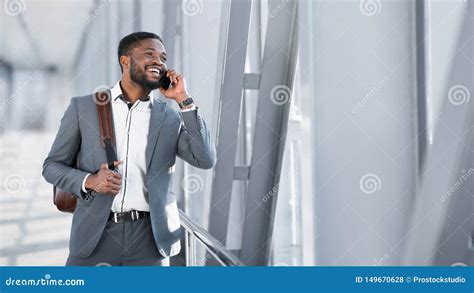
(344, 129)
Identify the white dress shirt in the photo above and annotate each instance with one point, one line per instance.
(131, 133)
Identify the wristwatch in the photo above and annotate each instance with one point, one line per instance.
(187, 102)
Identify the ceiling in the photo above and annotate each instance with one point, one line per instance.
(42, 33)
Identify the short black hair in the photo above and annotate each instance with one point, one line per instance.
(130, 41)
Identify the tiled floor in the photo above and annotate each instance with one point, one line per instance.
(32, 231)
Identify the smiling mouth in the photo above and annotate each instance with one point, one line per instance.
(154, 70)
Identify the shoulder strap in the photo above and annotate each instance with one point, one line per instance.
(107, 137)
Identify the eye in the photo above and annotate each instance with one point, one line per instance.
(149, 54)
(163, 59)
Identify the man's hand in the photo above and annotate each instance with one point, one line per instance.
(177, 90)
(105, 181)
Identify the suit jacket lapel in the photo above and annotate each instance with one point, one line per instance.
(156, 121)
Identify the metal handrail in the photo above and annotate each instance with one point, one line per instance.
(195, 232)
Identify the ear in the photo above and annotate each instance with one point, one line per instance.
(125, 62)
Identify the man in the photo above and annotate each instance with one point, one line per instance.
(128, 216)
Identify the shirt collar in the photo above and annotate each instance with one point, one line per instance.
(116, 93)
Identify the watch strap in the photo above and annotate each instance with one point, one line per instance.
(186, 102)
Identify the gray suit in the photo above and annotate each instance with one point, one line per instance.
(77, 142)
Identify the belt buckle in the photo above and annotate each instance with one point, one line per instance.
(115, 218)
(134, 215)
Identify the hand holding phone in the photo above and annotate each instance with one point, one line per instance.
(173, 86)
(165, 81)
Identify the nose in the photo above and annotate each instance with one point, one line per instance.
(159, 63)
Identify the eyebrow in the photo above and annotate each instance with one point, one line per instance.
(153, 49)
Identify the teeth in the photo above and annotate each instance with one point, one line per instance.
(154, 70)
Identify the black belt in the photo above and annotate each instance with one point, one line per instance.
(127, 216)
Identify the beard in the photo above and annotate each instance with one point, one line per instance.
(138, 75)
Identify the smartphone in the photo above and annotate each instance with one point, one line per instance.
(165, 81)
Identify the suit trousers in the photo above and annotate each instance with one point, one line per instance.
(129, 243)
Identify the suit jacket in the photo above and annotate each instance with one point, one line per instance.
(76, 151)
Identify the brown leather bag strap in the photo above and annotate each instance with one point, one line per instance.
(103, 103)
